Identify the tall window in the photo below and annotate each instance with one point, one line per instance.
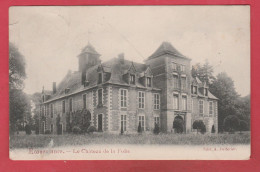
(132, 79)
(156, 101)
(63, 106)
(184, 102)
(84, 101)
(183, 83)
(141, 122)
(174, 66)
(206, 92)
(70, 104)
(195, 88)
(175, 81)
(182, 68)
(99, 78)
(191, 89)
(149, 81)
(51, 128)
(141, 99)
(52, 110)
(44, 111)
(123, 122)
(175, 101)
(210, 108)
(201, 104)
(100, 96)
(157, 120)
(123, 97)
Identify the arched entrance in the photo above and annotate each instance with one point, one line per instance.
(178, 124)
(100, 122)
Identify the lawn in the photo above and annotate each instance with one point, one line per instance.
(34, 141)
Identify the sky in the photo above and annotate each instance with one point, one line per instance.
(51, 38)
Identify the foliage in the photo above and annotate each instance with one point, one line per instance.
(199, 126)
(58, 125)
(139, 129)
(243, 126)
(91, 129)
(76, 130)
(203, 72)
(27, 129)
(47, 132)
(213, 129)
(178, 125)
(156, 129)
(231, 123)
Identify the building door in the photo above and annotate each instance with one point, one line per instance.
(100, 122)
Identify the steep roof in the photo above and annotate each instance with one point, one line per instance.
(166, 48)
(89, 49)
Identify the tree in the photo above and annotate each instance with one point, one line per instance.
(223, 88)
(203, 72)
(243, 126)
(231, 123)
(178, 125)
(156, 129)
(199, 126)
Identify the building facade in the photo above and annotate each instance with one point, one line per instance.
(120, 94)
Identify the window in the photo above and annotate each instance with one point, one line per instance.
(141, 122)
(132, 79)
(195, 89)
(174, 66)
(206, 92)
(84, 101)
(182, 68)
(183, 83)
(156, 101)
(70, 104)
(99, 78)
(157, 120)
(63, 106)
(184, 102)
(123, 97)
(51, 128)
(175, 101)
(52, 110)
(191, 89)
(149, 81)
(141, 99)
(123, 122)
(175, 81)
(210, 108)
(100, 96)
(201, 111)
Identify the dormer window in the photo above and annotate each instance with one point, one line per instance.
(206, 92)
(132, 79)
(174, 66)
(149, 82)
(100, 78)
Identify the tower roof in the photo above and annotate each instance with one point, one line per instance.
(166, 48)
(89, 49)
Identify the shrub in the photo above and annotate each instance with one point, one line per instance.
(47, 132)
(139, 129)
(199, 126)
(156, 129)
(231, 123)
(76, 130)
(37, 131)
(27, 129)
(91, 129)
(243, 126)
(178, 125)
(213, 129)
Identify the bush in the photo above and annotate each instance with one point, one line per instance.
(243, 126)
(76, 130)
(47, 132)
(199, 126)
(156, 129)
(213, 129)
(91, 129)
(178, 125)
(27, 129)
(231, 123)
(139, 129)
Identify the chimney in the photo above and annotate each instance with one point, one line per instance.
(54, 89)
(121, 58)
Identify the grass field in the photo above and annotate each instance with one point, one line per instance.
(34, 141)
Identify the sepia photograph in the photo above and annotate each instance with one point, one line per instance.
(129, 82)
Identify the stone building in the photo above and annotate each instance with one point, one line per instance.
(120, 94)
